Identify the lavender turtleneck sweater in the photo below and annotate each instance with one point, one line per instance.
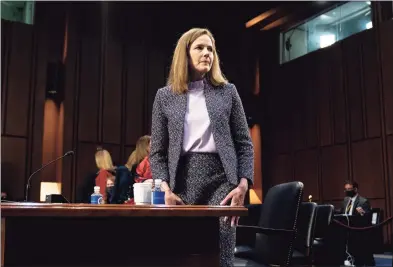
(198, 136)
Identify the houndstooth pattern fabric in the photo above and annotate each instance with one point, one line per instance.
(201, 181)
(229, 127)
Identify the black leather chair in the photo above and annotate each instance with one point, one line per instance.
(305, 234)
(275, 232)
(323, 219)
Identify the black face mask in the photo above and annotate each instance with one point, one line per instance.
(109, 191)
(350, 193)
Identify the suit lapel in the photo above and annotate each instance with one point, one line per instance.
(180, 114)
(355, 204)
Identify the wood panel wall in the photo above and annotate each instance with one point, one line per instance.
(116, 62)
(116, 57)
(330, 119)
(26, 50)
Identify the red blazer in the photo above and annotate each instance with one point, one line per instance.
(143, 170)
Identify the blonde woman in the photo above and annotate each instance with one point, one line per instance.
(139, 162)
(106, 171)
(136, 169)
(200, 143)
(141, 151)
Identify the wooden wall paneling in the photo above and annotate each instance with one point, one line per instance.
(371, 84)
(306, 171)
(386, 44)
(334, 171)
(282, 105)
(282, 169)
(296, 85)
(13, 166)
(134, 93)
(311, 114)
(36, 120)
(19, 80)
(336, 85)
(6, 37)
(112, 117)
(389, 183)
(155, 80)
(367, 167)
(71, 106)
(353, 71)
(323, 99)
(89, 94)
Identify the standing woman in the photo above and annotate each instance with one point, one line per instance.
(200, 144)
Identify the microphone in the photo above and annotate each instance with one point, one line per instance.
(43, 167)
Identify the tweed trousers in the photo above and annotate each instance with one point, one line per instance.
(201, 180)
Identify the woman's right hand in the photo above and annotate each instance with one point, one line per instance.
(172, 199)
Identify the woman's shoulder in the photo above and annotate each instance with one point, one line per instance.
(163, 91)
(225, 86)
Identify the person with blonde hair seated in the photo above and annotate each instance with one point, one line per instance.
(136, 170)
(106, 171)
(138, 162)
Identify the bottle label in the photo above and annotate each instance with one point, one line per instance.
(96, 199)
(158, 197)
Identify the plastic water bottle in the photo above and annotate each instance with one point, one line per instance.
(158, 196)
(96, 197)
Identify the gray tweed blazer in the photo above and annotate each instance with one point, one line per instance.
(229, 127)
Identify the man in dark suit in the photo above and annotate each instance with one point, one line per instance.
(353, 203)
(356, 205)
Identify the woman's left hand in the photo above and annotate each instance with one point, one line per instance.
(237, 196)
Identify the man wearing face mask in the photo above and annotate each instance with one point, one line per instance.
(353, 203)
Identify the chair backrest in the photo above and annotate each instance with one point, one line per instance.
(324, 215)
(305, 228)
(280, 210)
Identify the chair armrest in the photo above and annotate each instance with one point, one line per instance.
(261, 230)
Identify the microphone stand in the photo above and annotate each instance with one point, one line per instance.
(50, 162)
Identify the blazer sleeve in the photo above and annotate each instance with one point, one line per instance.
(159, 141)
(242, 139)
(366, 205)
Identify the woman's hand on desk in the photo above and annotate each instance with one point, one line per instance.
(170, 197)
(237, 197)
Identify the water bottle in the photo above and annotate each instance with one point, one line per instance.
(158, 196)
(96, 197)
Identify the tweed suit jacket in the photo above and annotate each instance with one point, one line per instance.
(229, 127)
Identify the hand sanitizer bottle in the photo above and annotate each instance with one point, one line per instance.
(96, 197)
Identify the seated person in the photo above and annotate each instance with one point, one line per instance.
(353, 203)
(141, 160)
(105, 170)
(144, 172)
(127, 175)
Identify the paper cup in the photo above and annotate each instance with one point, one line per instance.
(142, 193)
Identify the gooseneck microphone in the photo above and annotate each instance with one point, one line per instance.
(40, 169)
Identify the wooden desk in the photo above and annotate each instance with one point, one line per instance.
(38, 234)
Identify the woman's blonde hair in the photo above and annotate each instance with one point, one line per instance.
(141, 151)
(179, 75)
(104, 160)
